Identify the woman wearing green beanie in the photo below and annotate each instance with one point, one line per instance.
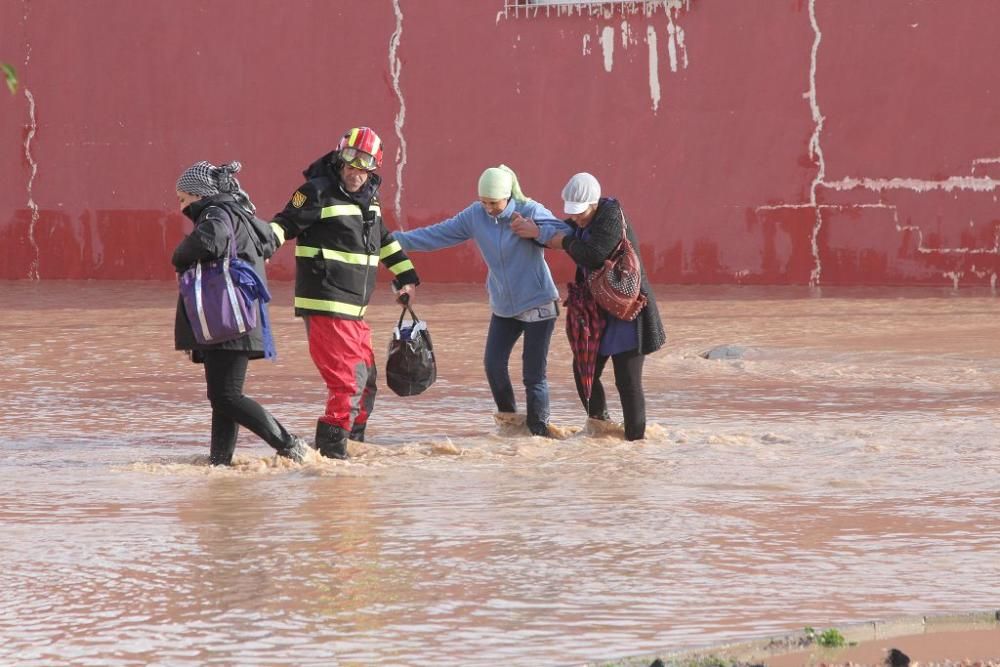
(523, 296)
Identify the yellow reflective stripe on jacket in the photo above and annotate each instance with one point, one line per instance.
(393, 247)
(405, 265)
(330, 306)
(338, 255)
(339, 210)
(278, 232)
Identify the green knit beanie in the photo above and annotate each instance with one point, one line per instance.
(500, 183)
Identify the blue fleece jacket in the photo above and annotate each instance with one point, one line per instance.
(518, 277)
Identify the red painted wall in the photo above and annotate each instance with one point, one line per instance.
(786, 141)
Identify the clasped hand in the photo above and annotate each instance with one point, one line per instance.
(524, 227)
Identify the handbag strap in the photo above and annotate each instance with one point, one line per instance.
(232, 236)
(413, 316)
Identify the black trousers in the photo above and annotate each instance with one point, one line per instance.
(628, 380)
(225, 373)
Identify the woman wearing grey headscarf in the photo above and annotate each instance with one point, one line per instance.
(212, 198)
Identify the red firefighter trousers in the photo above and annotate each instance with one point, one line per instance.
(342, 352)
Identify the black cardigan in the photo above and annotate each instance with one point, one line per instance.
(605, 233)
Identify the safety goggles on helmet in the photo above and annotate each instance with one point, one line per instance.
(358, 159)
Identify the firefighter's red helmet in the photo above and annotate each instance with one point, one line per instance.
(361, 148)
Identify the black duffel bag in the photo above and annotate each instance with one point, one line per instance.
(410, 367)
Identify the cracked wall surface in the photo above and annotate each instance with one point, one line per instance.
(816, 142)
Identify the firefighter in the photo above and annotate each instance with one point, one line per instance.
(336, 220)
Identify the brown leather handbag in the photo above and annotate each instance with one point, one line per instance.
(616, 285)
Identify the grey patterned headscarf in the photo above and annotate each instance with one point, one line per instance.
(206, 179)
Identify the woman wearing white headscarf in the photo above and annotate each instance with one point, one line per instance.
(523, 296)
(598, 224)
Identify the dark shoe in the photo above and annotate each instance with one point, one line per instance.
(331, 441)
(540, 429)
(298, 451)
(358, 432)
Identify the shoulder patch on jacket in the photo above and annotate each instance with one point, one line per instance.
(298, 199)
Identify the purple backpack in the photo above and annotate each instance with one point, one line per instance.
(217, 297)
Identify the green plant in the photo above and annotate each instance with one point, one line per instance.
(829, 638)
(10, 75)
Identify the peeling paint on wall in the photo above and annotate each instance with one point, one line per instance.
(654, 68)
(984, 160)
(675, 44)
(973, 183)
(608, 44)
(396, 69)
(599, 8)
(815, 148)
(33, 269)
(676, 49)
(955, 183)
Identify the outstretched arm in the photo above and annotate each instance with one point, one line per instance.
(444, 234)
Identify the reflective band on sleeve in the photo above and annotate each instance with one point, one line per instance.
(330, 306)
(338, 255)
(405, 265)
(390, 249)
(279, 232)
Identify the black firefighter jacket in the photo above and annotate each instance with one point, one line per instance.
(340, 239)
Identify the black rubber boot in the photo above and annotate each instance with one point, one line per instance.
(358, 432)
(331, 441)
(297, 451)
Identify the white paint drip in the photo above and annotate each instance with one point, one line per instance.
(396, 68)
(672, 42)
(608, 44)
(33, 269)
(626, 34)
(654, 67)
(672, 46)
(586, 45)
(815, 148)
(682, 47)
(973, 183)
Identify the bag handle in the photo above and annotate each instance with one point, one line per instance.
(407, 308)
(232, 233)
(232, 237)
(624, 227)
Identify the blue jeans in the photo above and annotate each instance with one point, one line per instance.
(503, 333)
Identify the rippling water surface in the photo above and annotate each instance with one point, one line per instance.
(845, 469)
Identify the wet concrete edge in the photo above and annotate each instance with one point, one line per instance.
(769, 647)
